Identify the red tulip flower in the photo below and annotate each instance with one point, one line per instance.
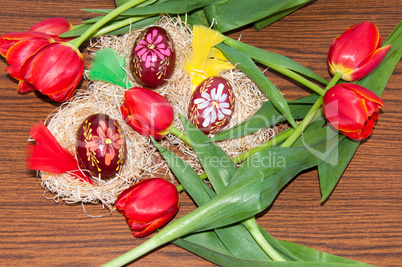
(55, 71)
(40, 63)
(147, 112)
(148, 205)
(53, 27)
(356, 52)
(351, 109)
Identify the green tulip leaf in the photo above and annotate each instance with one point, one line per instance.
(248, 67)
(230, 236)
(273, 60)
(262, 23)
(122, 2)
(311, 255)
(217, 255)
(162, 7)
(331, 171)
(218, 166)
(238, 13)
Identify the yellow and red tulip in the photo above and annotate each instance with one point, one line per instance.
(147, 112)
(356, 52)
(53, 27)
(351, 109)
(148, 205)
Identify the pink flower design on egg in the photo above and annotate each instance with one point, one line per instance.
(151, 48)
(106, 142)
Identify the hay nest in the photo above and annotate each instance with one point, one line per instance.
(143, 160)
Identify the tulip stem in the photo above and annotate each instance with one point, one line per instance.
(180, 135)
(298, 78)
(114, 13)
(253, 228)
(118, 25)
(312, 113)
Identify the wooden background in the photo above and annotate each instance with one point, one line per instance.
(362, 219)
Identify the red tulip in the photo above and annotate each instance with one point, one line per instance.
(7, 40)
(148, 205)
(147, 112)
(351, 109)
(53, 27)
(55, 70)
(40, 63)
(356, 52)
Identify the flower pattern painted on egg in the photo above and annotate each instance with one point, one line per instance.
(101, 146)
(153, 57)
(107, 142)
(215, 105)
(212, 105)
(151, 48)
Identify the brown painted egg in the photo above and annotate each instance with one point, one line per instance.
(101, 146)
(212, 105)
(153, 57)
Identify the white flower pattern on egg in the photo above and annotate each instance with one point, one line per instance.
(214, 105)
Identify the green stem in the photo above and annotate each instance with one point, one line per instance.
(271, 142)
(311, 114)
(180, 135)
(118, 25)
(114, 13)
(252, 227)
(293, 75)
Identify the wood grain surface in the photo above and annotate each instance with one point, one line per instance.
(362, 219)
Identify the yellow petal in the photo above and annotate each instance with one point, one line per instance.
(205, 60)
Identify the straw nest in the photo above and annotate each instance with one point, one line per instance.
(143, 159)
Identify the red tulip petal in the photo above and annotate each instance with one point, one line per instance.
(9, 39)
(53, 26)
(368, 65)
(364, 92)
(354, 53)
(24, 87)
(152, 200)
(147, 112)
(344, 110)
(20, 52)
(55, 70)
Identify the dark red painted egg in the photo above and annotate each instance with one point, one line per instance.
(153, 57)
(101, 146)
(212, 105)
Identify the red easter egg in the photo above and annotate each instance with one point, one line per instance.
(101, 146)
(212, 105)
(153, 57)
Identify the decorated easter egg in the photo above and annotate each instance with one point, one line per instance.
(153, 57)
(212, 105)
(101, 146)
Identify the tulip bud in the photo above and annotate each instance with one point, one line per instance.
(356, 52)
(351, 109)
(53, 27)
(148, 205)
(147, 112)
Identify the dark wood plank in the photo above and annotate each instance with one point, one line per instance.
(361, 220)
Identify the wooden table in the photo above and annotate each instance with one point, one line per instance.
(361, 220)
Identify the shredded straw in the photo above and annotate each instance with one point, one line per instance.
(143, 159)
